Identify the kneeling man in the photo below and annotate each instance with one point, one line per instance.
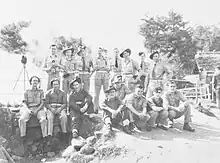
(56, 103)
(139, 108)
(114, 111)
(80, 103)
(171, 102)
(156, 103)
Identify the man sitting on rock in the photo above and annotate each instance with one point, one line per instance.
(138, 106)
(56, 103)
(156, 103)
(33, 105)
(171, 102)
(114, 112)
(80, 103)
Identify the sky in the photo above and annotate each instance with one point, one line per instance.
(106, 23)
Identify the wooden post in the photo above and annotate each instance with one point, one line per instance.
(196, 92)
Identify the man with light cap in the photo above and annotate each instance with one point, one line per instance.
(159, 73)
(129, 67)
(102, 76)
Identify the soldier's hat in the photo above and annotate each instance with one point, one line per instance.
(152, 54)
(158, 89)
(77, 79)
(68, 48)
(53, 80)
(141, 53)
(126, 50)
(111, 88)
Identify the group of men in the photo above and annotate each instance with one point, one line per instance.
(135, 96)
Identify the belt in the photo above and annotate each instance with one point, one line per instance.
(127, 74)
(84, 72)
(55, 105)
(101, 71)
(33, 106)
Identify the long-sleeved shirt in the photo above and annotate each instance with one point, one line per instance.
(116, 64)
(55, 97)
(79, 65)
(173, 99)
(81, 97)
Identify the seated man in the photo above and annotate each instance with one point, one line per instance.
(139, 108)
(56, 103)
(33, 105)
(80, 102)
(121, 89)
(156, 103)
(171, 102)
(114, 111)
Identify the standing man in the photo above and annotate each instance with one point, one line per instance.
(116, 64)
(102, 69)
(33, 105)
(216, 85)
(159, 73)
(56, 103)
(84, 65)
(129, 67)
(171, 102)
(80, 102)
(69, 68)
(139, 108)
(52, 65)
(156, 103)
(144, 72)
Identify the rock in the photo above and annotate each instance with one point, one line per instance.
(91, 140)
(87, 150)
(68, 151)
(78, 142)
(34, 148)
(51, 154)
(19, 150)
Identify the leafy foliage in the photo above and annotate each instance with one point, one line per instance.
(11, 39)
(171, 31)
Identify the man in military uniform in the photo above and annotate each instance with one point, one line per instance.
(156, 103)
(80, 103)
(102, 69)
(52, 65)
(33, 105)
(121, 89)
(139, 109)
(129, 67)
(116, 64)
(83, 66)
(56, 103)
(159, 73)
(114, 111)
(144, 72)
(216, 85)
(68, 65)
(171, 102)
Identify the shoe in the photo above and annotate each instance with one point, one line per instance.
(187, 127)
(132, 126)
(162, 127)
(127, 130)
(171, 123)
(148, 128)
